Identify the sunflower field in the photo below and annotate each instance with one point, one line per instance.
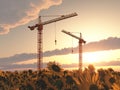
(56, 78)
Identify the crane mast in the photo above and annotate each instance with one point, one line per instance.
(39, 27)
(80, 46)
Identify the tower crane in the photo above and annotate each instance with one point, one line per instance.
(39, 27)
(80, 46)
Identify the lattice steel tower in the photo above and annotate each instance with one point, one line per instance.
(39, 27)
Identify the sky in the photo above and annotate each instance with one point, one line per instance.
(97, 20)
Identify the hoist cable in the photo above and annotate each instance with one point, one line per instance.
(55, 34)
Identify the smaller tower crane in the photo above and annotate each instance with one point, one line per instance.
(81, 41)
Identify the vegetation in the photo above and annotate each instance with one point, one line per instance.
(55, 78)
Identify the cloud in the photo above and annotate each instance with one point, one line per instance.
(16, 13)
(57, 52)
(111, 63)
(110, 43)
(15, 62)
(19, 67)
(16, 58)
(65, 66)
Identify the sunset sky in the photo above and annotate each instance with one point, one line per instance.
(97, 20)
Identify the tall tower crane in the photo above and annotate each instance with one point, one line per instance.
(39, 27)
(80, 46)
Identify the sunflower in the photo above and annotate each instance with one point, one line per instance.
(54, 67)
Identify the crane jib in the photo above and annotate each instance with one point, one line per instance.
(59, 18)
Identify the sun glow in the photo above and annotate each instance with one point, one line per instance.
(99, 56)
(63, 59)
(88, 57)
(93, 57)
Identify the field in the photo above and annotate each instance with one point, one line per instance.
(56, 78)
